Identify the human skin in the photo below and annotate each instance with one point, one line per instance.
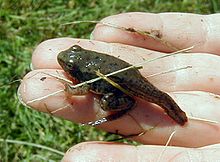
(194, 89)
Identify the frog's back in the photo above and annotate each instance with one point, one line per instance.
(93, 61)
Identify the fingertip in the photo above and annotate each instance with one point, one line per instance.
(164, 32)
(46, 52)
(112, 30)
(41, 91)
(101, 151)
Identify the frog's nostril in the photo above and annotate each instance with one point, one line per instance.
(60, 60)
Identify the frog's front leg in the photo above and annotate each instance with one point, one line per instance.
(121, 104)
(81, 90)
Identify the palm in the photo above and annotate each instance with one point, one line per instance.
(194, 89)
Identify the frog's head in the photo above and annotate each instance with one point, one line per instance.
(69, 58)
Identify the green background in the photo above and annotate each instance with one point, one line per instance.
(23, 25)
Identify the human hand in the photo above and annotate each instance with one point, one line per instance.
(193, 89)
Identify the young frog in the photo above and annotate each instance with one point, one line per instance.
(82, 64)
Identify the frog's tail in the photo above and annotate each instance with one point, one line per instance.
(152, 94)
(171, 108)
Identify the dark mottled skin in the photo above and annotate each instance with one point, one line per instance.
(82, 64)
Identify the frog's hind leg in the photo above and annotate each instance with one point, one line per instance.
(120, 104)
(114, 102)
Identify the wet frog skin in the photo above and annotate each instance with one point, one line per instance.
(82, 64)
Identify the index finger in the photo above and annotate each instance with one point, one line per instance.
(180, 30)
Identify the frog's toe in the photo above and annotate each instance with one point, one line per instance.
(97, 122)
(110, 117)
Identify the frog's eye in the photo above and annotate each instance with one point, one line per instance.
(76, 48)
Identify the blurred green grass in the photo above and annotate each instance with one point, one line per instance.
(23, 25)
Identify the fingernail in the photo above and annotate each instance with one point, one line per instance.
(91, 35)
(20, 97)
(31, 66)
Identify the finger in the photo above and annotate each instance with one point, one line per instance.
(85, 108)
(179, 29)
(202, 76)
(103, 151)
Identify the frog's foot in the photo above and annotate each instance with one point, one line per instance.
(111, 117)
(81, 90)
(128, 136)
(97, 122)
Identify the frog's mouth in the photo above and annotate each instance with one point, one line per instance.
(61, 62)
(61, 59)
